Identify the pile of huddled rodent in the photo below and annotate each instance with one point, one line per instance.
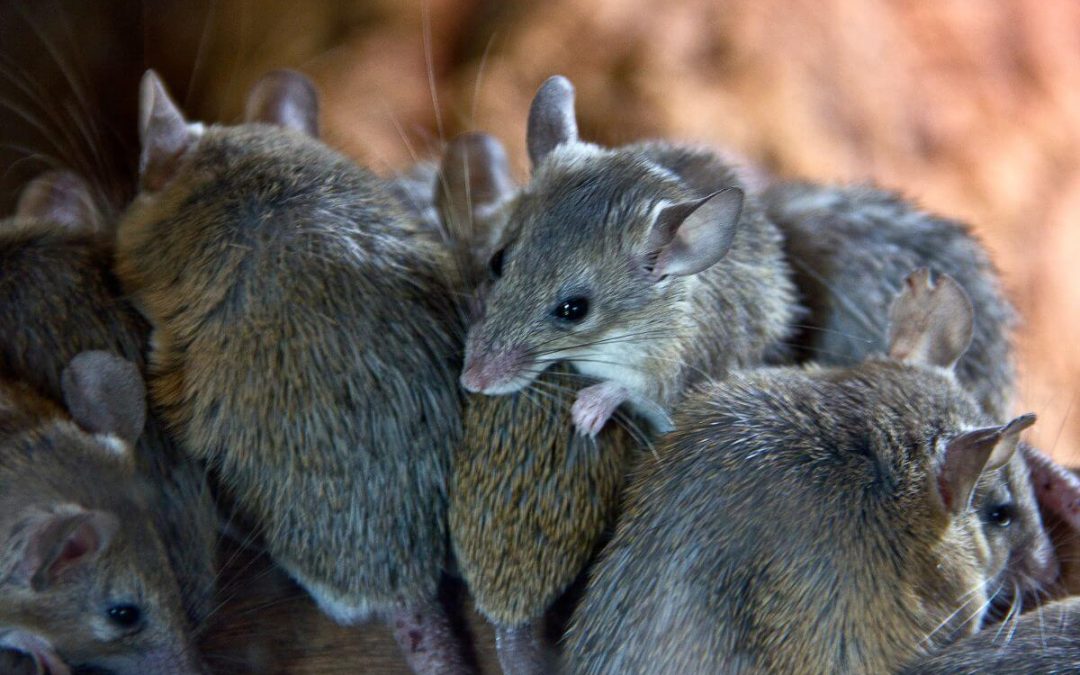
(656, 411)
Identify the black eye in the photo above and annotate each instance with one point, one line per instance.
(125, 616)
(573, 309)
(1001, 515)
(496, 263)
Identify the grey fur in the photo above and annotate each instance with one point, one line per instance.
(303, 349)
(1045, 640)
(60, 299)
(49, 469)
(851, 248)
(581, 227)
(789, 525)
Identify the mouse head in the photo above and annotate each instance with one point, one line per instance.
(1022, 561)
(282, 98)
(930, 328)
(60, 198)
(83, 570)
(195, 179)
(598, 251)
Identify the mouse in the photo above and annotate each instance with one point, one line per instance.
(807, 519)
(851, 247)
(60, 299)
(1045, 640)
(85, 580)
(530, 499)
(631, 264)
(302, 348)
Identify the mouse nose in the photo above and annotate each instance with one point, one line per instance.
(473, 377)
(484, 372)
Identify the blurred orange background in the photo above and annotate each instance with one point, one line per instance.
(970, 108)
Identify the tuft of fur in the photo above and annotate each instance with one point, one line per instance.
(301, 348)
(60, 298)
(789, 524)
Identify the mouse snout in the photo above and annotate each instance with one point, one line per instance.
(493, 371)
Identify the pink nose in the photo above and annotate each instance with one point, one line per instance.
(485, 372)
(473, 378)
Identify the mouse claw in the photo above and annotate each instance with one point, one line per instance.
(595, 405)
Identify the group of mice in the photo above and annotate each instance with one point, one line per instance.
(764, 420)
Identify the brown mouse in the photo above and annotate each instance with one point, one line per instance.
(529, 498)
(60, 299)
(302, 348)
(807, 520)
(646, 267)
(84, 575)
(850, 248)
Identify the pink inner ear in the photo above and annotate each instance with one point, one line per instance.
(82, 541)
(59, 545)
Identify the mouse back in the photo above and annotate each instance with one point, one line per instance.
(303, 342)
(531, 497)
(779, 483)
(850, 248)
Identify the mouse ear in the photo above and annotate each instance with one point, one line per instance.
(551, 118)
(930, 321)
(287, 99)
(692, 236)
(60, 197)
(164, 133)
(105, 394)
(53, 543)
(971, 453)
(475, 182)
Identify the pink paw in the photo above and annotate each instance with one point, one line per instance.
(595, 405)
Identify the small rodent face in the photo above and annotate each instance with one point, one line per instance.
(572, 281)
(92, 579)
(1022, 558)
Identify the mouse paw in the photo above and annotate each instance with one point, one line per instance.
(595, 405)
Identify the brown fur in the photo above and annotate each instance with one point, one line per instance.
(530, 497)
(295, 313)
(48, 466)
(60, 298)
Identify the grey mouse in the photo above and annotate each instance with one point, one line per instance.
(84, 575)
(812, 520)
(645, 267)
(850, 248)
(60, 299)
(302, 348)
(530, 499)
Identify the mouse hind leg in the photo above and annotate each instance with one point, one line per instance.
(427, 639)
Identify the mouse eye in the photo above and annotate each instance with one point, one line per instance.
(496, 263)
(124, 616)
(1001, 514)
(572, 310)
